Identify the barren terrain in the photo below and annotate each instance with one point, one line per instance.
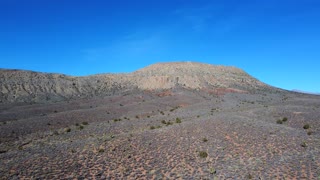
(166, 121)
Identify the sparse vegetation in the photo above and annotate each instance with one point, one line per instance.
(303, 144)
(285, 119)
(279, 121)
(116, 120)
(203, 154)
(306, 126)
(67, 129)
(212, 171)
(175, 108)
(101, 150)
(241, 140)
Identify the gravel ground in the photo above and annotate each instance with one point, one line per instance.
(139, 136)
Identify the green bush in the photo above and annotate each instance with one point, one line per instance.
(152, 127)
(178, 120)
(85, 123)
(285, 119)
(204, 139)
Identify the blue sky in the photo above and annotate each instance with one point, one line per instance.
(276, 41)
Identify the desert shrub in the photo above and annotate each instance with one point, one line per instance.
(178, 120)
(85, 123)
(212, 171)
(203, 154)
(306, 126)
(163, 122)
(285, 119)
(101, 150)
(169, 123)
(152, 127)
(67, 130)
(279, 121)
(77, 124)
(204, 139)
(303, 144)
(81, 127)
(121, 104)
(137, 116)
(309, 133)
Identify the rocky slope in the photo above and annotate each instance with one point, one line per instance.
(28, 86)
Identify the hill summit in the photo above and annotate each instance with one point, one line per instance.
(29, 86)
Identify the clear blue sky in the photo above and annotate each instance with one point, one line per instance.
(276, 41)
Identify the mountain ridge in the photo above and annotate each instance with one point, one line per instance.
(31, 86)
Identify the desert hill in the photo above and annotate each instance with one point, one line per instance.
(28, 86)
(180, 120)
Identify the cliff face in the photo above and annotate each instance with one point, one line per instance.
(28, 86)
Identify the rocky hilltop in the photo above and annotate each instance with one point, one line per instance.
(28, 86)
